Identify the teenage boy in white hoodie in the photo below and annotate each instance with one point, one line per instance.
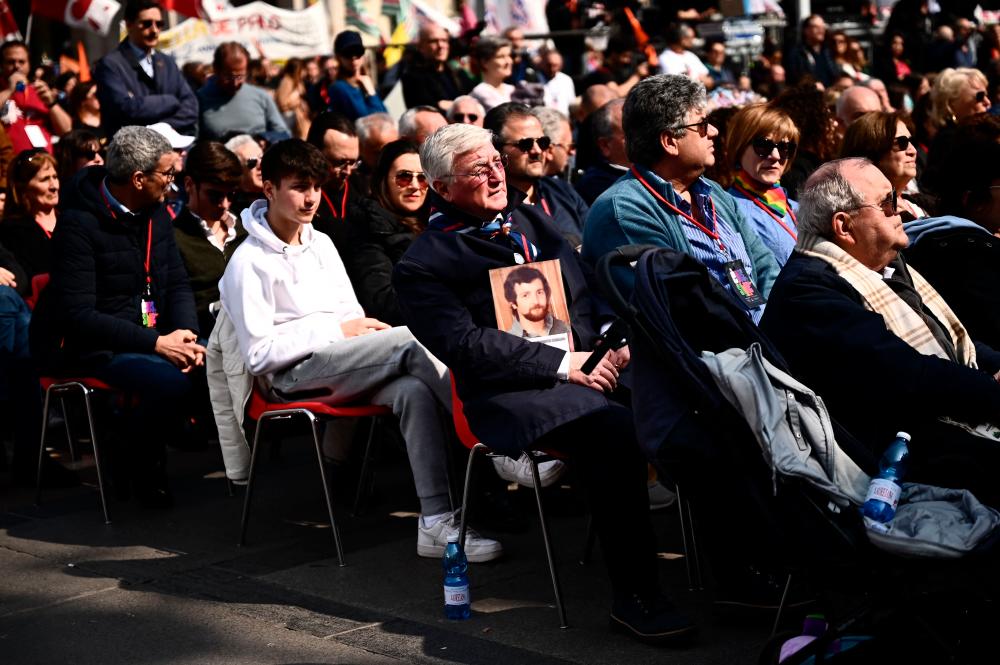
(300, 326)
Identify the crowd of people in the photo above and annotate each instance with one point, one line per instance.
(281, 227)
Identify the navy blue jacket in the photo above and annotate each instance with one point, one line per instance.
(91, 308)
(129, 97)
(508, 385)
(567, 212)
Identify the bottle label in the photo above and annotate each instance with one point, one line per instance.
(884, 490)
(456, 595)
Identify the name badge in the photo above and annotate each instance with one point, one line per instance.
(742, 285)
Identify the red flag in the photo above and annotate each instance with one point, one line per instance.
(8, 25)
(93, 15)
(184, 7)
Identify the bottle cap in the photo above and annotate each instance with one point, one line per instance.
(902, 435)
(453, 537)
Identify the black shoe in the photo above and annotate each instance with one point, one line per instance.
(54, 474)
(651, 619)
(759, 591)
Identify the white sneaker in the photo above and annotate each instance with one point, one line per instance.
(519, 470)
(660, 497)
(431, 540)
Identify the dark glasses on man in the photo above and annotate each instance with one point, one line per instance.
(889, 205)
(404, 178)
(700, 127)
(216, 196)
(524, 145)
(901, 143)
(252, 163)
(763, 148)
(149, 23)
(466, 117)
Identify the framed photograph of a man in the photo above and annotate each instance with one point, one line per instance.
(530, 302)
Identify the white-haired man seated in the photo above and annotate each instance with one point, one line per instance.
(518, 394)
(880, 345)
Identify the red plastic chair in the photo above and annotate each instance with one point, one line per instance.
(472, 442)
(60, 387)
(262, 410)
(38, 284)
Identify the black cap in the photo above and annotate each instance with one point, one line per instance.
(348, 42)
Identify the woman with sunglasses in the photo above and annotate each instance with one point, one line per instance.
(492, 55)
(31, 214)
(887, 140)
(77, 150)
(761, 142)
(958, 94)
(395, 217)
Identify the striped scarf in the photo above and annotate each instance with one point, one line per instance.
(774, 197)
(899, 317)
(500, 230)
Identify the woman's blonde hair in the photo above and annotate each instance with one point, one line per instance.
(948, 86)
(749, 123)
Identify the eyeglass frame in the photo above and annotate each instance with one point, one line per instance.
(216, 196)
(534, 140)
(891, 199)
(702, 124)
(345, 164)
(491, 166)
(786, 149)
(901, 143)
(147, 23)
(169, 176)
(255, 163)
(460, 117)
(408, 177)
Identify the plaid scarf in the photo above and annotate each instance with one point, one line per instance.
(899, 317)
(774, 197)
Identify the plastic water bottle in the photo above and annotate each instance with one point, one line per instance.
(883, 492)
(456, 582)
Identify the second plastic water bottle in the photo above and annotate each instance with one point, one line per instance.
(456, 581)
(883, 492)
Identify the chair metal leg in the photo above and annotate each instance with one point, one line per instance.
(326, 485)
(41, 445)
(465, 490)
(548, 545)
(229, 487)
(253, 465)
(97, 455)
(365, 463)
(696, 559)
(69, 434)
(691, 562)
(781, 606)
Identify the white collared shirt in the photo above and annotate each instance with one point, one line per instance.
(229, 221)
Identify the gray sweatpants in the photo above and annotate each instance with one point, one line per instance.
(389, 368)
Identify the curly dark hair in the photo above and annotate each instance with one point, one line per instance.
(816, 123)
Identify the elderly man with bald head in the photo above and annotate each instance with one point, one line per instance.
(433, 78)
(876, 340)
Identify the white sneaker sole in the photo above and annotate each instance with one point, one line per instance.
(437, 551)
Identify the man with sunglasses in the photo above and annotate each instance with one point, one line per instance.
(137, 84)
(206, 231)
(664, 200)
(520, 140)
(467, 109)
(860, 327)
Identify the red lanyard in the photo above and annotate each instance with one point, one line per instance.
(545, 205)
(149, 237)
(713, 234)
(343, 202)
(791, 213)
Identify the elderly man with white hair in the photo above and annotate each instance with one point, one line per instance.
(467, 109)
(882, 347)
(518, 394)
(419, 122)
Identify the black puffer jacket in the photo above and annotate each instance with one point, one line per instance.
(91, 307)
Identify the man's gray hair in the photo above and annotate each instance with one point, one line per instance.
(657, 105)
(239, 141)
(452, 110)
(366, 125)
(134, 148)
(826, 193)
(438, 152)
(552, 121)
(601, 124)
(408, 121)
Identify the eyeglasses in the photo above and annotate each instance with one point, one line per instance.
(524, 145)
(149, 23)
(497, 165)
(216, 197)
(252, 163)
(702, 127)
(466, 117)
(901, 143)
(981, 96)
(763, 148)
(87, 154)
(167, 175)
(888, 205)
(404, 178)
(233, 78)
(345, 164)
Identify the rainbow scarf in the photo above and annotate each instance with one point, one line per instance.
(773, 197)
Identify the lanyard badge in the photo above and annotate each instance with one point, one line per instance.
(742, 285)
(148, 307)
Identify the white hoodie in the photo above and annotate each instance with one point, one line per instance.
(285, 301)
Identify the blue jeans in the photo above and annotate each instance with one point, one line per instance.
(18, 380)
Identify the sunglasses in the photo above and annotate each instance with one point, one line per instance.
(344, 164)
(889, 205)
(252, 163)
(763, 148)
(901, 143)
(149, 23)
(524, 145)
(700, 127)
(980, 96)
(216, 197)
(87, 154)
(466, 117)
(404, 178)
